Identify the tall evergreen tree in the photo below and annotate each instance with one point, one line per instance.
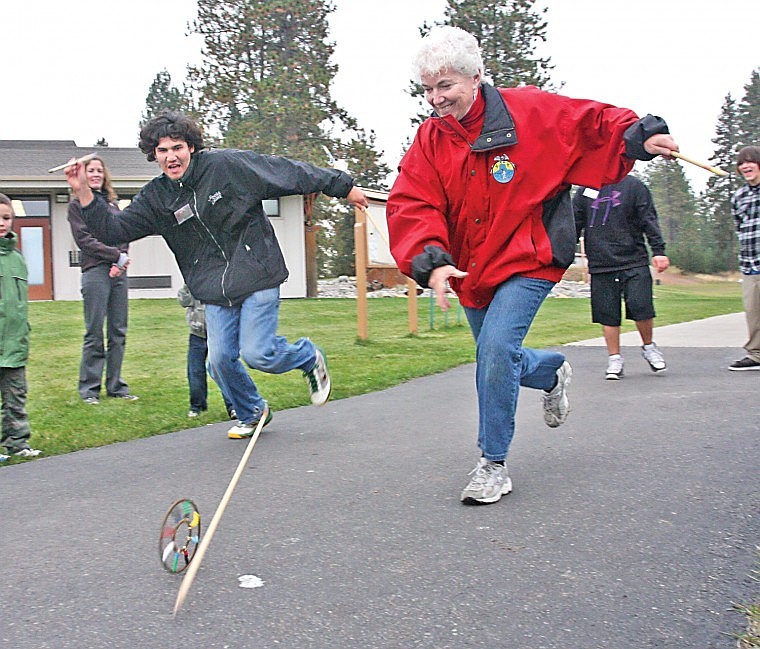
(749, 112)
(673, 197)
(509, 32)
(688, 245)
(264, 84)
(716, 199)
(162, 95)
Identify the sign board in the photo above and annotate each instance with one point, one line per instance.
(378, 246)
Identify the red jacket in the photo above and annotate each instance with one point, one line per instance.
(493, 189)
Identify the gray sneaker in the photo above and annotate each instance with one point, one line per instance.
(556, 405)
(744, 364)
(489, 483)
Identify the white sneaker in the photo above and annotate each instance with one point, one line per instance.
(27, 452)
(318, 378)
(614, 367)
(241, 430)
(489, 483)
(654, 357)
(556, 404)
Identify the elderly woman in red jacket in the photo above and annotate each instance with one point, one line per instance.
(482, 201)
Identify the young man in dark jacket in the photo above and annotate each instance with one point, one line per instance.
(614, 222)
(207, 205)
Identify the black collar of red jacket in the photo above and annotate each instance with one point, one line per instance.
(498, 126)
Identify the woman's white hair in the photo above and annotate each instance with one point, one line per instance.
(447, 48)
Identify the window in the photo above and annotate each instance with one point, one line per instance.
(271, 207)
(31, 207)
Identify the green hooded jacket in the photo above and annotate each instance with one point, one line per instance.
(14, 308)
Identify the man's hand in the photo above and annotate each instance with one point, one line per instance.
(357, 198)
(437, 282)
(77, 179)
(660, 144)
(660, 263)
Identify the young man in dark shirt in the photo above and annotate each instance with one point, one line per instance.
(207, 205)
(614, 222)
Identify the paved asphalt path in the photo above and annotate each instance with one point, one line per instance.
(634, 525)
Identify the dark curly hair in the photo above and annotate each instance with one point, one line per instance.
(173, 124)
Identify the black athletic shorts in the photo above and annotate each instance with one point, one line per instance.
(633, 285)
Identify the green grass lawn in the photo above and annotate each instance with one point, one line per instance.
(154, 365)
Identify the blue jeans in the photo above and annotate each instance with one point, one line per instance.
(503, 364)
(249, 331)
(197, 351)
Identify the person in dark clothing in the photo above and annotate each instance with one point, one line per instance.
(207, 205)
(105, 295)
(614, 222)
(197, 353)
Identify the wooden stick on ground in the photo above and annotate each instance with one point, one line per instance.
(66, 165)
(195, 564)
(715, 170)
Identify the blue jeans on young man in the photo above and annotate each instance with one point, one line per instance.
(503, 364)
(248, 331)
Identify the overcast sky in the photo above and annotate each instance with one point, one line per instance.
(71, 72)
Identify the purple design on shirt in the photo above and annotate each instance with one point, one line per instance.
(612, 201)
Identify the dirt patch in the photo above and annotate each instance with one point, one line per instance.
(671, 277)
(676, 277)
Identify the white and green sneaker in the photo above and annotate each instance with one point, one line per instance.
(489, 483)
(318, 379)
(241, 430)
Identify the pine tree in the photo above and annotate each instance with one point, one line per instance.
(673, 198)
(716, 199)
(264, 84)
(686, 230)
(749, 113)
(508, 33)
(162, 95)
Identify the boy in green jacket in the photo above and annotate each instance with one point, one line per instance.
(14, 339)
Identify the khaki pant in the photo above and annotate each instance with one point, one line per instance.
(751, 290)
